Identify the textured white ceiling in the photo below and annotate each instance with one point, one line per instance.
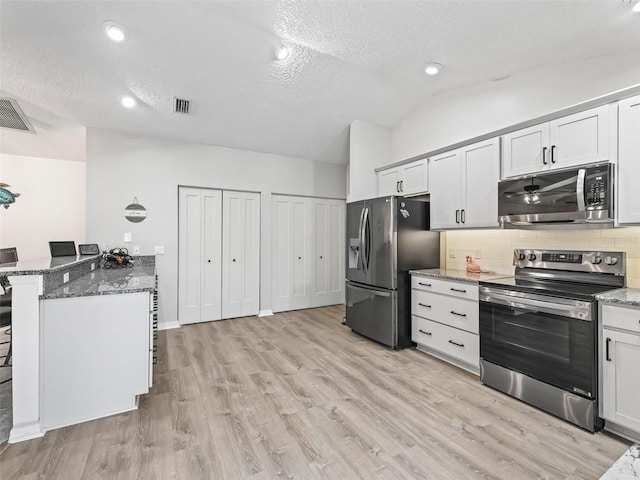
(350, 60)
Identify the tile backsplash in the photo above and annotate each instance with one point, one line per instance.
(496, 246)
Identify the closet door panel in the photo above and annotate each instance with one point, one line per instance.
(190, 252)
(211, 260)
(300, 294)
(320, 258)
(251, 254)
(232, 255)
(282, 266)
(335, 251)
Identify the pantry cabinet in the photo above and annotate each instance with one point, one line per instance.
(464, 192)
(565, 142)
(628, 160)
(620, 357)
(308, 252)
(405, 180)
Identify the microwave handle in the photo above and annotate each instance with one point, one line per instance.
(580, 189)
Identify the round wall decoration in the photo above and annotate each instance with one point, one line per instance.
(135, 212)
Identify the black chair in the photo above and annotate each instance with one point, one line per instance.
(8, 256)
(62, 249)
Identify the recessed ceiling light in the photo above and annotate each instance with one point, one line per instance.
(127, 101)
(281, 52)
(432, 68)
(636, 7)
(115, 31)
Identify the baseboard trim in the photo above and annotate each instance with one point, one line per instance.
(168, 325)
(265, 313)
(29, 431)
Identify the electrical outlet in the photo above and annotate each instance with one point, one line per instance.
(65, 277)
(452, 253)
(127, 237)
(136, 249)
(478, 253)
(159, 250)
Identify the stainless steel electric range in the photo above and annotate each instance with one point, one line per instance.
(538, 330)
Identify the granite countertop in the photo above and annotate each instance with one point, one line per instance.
(622, 296)
(627, 467)
(457, 275)
(38, 266)
(108, 281)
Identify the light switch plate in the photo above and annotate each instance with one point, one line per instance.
(93, 266)
(452, 253)
(127, 237)
(159, 250)
(478, 253)
(65, 277)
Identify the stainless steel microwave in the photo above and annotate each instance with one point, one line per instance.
(582, 196)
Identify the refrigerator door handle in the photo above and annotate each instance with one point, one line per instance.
(361, 238)
(368, 290)
(366, 237)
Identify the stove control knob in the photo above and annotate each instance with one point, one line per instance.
(532, 257)
(521, 256)
(610, 260)
(596, 260)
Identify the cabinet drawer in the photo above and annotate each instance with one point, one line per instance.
(445, 287)
(456, 312)
(459, 344)
(621, 317)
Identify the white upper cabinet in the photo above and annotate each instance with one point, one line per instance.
(405, 180)
(464, 192)
(565, 142)
(629, 160)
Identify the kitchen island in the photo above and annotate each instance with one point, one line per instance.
(82, 340)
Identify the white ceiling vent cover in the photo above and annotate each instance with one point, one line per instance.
(12, 117)
(180, 105)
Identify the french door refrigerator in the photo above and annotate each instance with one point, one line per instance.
(386, 237)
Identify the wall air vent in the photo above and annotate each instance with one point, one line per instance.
(12, 117)
(180, 105)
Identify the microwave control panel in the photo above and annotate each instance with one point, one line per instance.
(596, 189)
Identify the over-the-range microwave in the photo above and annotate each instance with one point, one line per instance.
(580, 197)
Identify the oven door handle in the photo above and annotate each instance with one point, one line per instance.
(571, 309)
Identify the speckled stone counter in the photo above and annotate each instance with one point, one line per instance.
(627, 467)
(105, 281)
(622, 296)
(457, 275)
(40, 266)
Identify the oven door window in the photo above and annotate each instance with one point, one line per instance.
(553, 349)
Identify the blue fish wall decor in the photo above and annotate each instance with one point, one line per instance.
(7, 197)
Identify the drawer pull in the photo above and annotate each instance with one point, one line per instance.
(424, 284)
(456, 344)
(458, 314)
(425, 332)
(424, 305)
(607, 356)
(458, 290)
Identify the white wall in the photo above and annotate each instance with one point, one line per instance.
(121, 166)
(462, 114)
(51, 205)
(369, 148)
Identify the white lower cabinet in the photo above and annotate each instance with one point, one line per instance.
(95, 356)
(444, 320)
(620, 358)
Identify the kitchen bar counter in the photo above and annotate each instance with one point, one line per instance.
(622, 296)
(457, 275)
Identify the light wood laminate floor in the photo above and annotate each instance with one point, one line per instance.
(298, 395)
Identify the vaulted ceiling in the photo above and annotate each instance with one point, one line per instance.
(349, 60)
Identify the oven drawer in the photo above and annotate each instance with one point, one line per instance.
(445, 287)
(456, 312)
(456, 343)
(621, 317)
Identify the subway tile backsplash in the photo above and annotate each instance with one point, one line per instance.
(496, 246)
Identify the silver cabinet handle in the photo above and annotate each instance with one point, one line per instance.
(425, 332)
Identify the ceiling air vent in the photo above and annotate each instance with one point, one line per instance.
(12, 116)
(180, 105)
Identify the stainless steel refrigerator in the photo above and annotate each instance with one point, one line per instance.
(386, 237)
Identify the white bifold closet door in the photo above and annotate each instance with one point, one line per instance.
(308, 252)
(219, 254)
(240, 254)
(200, 255)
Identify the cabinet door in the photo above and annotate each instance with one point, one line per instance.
(240, 254)
(415, 178)
(328, 257)
(526, 151)
(579, 138)
(291, 240)
(445, 190)
(389, 182)
(199, 266)
(629, 160)
(481, 173)
(620, 379)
